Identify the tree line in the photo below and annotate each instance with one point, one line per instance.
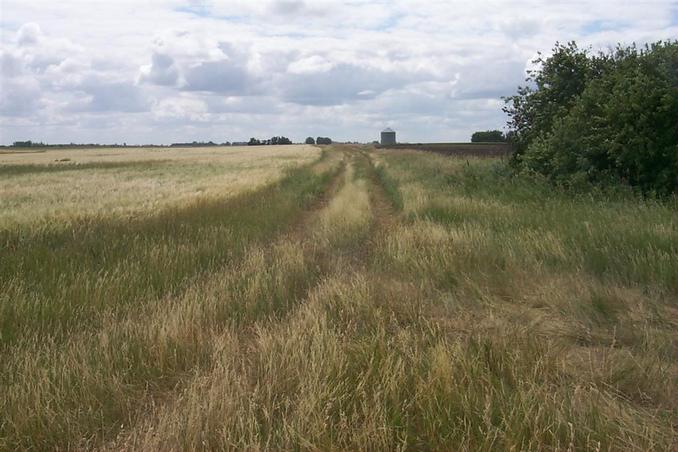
(270, 141)
(319, 140)
(39, 144)
(252, 142)
(34, 144)
(606, 118)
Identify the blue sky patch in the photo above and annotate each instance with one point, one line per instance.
(674, 14)
(598, 26)
(195, 9)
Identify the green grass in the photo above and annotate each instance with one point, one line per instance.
(390, 187)
(621, 238)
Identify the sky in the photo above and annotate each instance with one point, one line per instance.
(181, 70)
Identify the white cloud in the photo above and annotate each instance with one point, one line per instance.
(28, 34)
(340, 84)
(158, 71)
(161, 71)
(115, 96)
(181, 108)
(222, 76)
(19, 97)
(310, 65)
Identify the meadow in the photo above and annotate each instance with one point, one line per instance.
(343, 298)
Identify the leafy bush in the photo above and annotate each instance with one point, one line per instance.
(488, 136)
(604, 119)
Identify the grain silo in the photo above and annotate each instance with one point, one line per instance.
(388, 137)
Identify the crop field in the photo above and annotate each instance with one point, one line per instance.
(343, 298)
(58, 185)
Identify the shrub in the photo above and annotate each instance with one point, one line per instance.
(488, 136)
(613, 123)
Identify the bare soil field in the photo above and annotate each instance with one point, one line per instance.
(458, 149)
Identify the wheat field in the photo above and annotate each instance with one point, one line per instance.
(292, 298)
(56, 185)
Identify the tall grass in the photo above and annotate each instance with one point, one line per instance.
(59, 280)
(622, 238)
(72, 298)
(316, 315)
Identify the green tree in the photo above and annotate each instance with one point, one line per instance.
(488, 136)
(310, 140)
(621, 127)
(551, 91)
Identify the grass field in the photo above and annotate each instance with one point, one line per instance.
(280, 298)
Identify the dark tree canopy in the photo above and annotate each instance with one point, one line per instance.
(194, 144)
(323, 140)
(310, 140)
(23, 144)
(488, 136)
(280, 140)
(271, 141)
(605, 119)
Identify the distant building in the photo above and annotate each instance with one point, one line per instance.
(388, 136)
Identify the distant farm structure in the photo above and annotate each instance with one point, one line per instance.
(388, 137)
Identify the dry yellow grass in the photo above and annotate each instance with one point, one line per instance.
(470, 320)
(239, 155)
(58, 185)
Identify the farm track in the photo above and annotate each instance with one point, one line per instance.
(383, 212)
(336, 261)
(301, 225)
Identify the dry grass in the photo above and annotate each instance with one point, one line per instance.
(462, 317)
(236, 155)
(60, 185)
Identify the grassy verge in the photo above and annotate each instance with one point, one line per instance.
(554, 314)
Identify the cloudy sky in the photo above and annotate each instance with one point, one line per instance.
(164, 71)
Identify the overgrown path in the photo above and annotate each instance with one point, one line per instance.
(328, 244)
